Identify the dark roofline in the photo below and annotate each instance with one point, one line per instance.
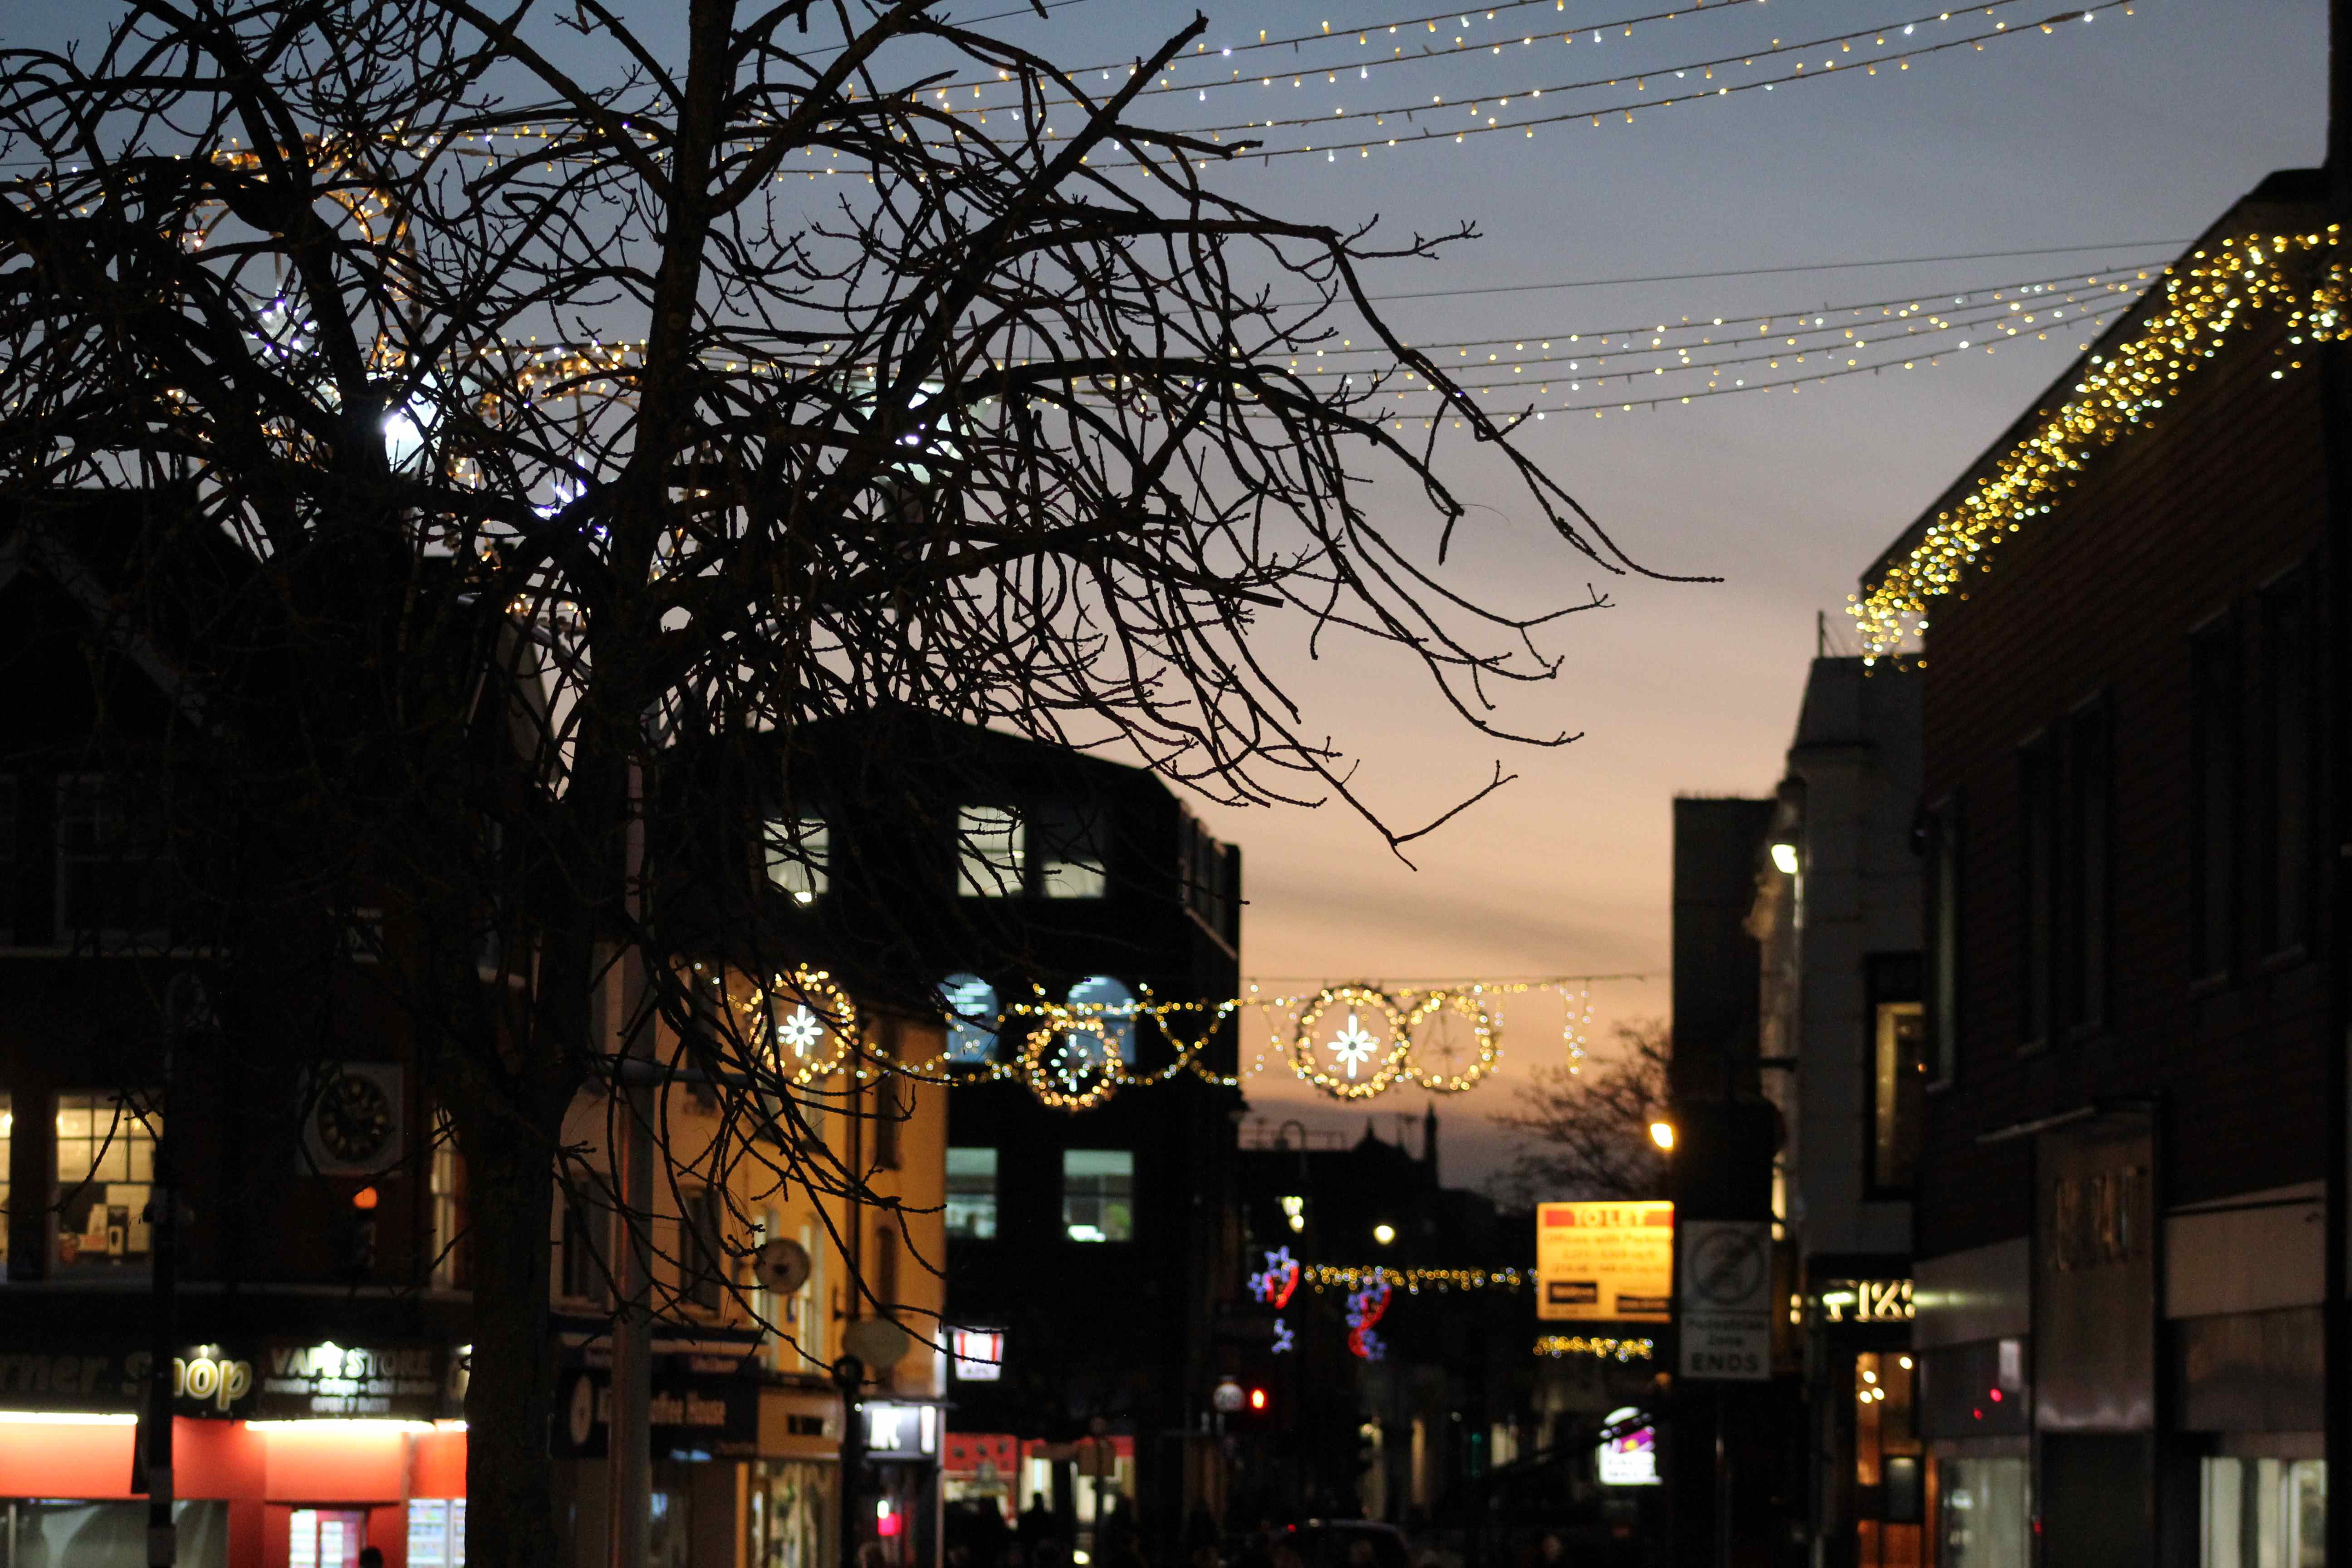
(2305, 188)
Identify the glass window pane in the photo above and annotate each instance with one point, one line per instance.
(800, 855)
(1098, 1194)
(970, 1003)
(971, 1193)
(1114, 1005)
(991, 851)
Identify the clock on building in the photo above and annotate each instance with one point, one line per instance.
(355, 1120)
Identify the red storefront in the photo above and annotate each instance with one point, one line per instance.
(258, 1494)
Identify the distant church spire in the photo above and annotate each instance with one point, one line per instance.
(1428, 1141)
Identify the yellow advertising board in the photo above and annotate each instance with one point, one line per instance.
(1611, 1262)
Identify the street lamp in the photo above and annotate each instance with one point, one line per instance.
(1784, 858)
(1661, 1133)
(1384, 1233)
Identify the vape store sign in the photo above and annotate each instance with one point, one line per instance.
(403, 1381)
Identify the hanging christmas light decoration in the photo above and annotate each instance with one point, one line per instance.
(1435, 1050)
(2203, 301)
(1366, 1042)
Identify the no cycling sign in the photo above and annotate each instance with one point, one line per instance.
(1723, 1287)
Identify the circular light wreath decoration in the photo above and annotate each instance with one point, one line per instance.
(1482, 1026)
(805, 1011)
(1353, 1045)
(1040, 1071)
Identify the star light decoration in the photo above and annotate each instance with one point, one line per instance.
(799, 1014)
(2202, 301)
(1366, 1067)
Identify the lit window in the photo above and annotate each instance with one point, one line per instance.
(106, 1168)
(991, 851)
(445, 1181)
(970, 1003)
(799, 857)
(1070, 854)
(1113, 1004)
(1098, 1195)
(971, 1193)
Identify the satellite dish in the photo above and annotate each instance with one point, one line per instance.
(782, 1266)
(878, 1342)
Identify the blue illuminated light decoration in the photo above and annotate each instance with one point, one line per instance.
(1274, 1284)
(1283, 1338)
(1365, 1308)
(970, 1003)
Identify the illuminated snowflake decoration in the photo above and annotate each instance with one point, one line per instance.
(1283, 1338)
(803, 1031)
(1354, 1045)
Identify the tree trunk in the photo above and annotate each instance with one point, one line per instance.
(510, 1506)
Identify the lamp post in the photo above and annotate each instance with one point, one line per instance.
(848, 1374)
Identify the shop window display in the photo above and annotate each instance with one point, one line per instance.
(105, 1171)
(1890, 1491)
(2264, 1513)
(1983, 1512)
(792, 1514)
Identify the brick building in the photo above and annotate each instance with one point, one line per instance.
(2119, 1247)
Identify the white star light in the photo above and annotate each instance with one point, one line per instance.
(1353, 1045)
(802, 1031)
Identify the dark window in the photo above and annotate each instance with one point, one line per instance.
(2090, 841)
(2214, 741)
(971, 1193)
(2288, 650)
(886, 1269)
(582, 1260)
(702, 1255)
(2037, 837)
(1899, 1078)
(890, 1101)
(113, 872)
(1943, 854)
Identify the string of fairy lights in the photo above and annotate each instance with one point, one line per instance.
(2216, 291)
(1352, 1042)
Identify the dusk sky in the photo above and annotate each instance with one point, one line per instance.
(2119, 137)
(2142, 125)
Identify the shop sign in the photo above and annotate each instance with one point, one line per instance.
(978, 1354)
(1866, 1301)
(206, 1382)
(1726, 1294)
(991, 1456)
(1608, 1262)
(690, 1413)
(397, 1382)
(1630, 1459)
(895, 1431)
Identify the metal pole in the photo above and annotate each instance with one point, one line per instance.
(848, 1374)
(1722, 1487)
(163, 1207)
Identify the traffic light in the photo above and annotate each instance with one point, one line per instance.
(359, 1234)
(1256, 1401)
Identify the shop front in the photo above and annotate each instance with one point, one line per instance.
(794, 1516)
(900, 1498)
(705, 1422)
(285, 1454)
(1972, 1351)
(1870, 1503)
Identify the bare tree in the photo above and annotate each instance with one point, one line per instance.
(1587, 1134)
(557, 448)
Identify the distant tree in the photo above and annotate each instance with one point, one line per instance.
(1586, 1134)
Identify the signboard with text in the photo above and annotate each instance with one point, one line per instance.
(1611, 1262)
(1725, 1292)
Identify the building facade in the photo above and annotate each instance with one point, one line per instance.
(1842, 1034)
(2132, 961)
(1084, 933)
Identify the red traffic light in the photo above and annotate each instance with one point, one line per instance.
(1258, 1399)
